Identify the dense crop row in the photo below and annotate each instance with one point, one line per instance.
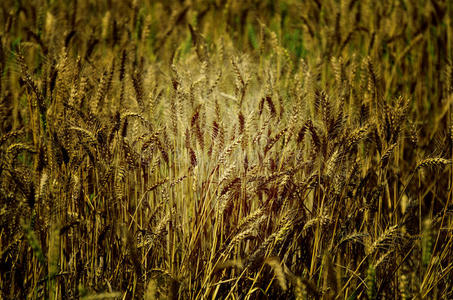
(226, 149)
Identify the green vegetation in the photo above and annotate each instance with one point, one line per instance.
(226, 149)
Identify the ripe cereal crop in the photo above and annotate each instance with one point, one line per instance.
(226, 149)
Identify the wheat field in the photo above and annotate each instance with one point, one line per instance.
(226, 149)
